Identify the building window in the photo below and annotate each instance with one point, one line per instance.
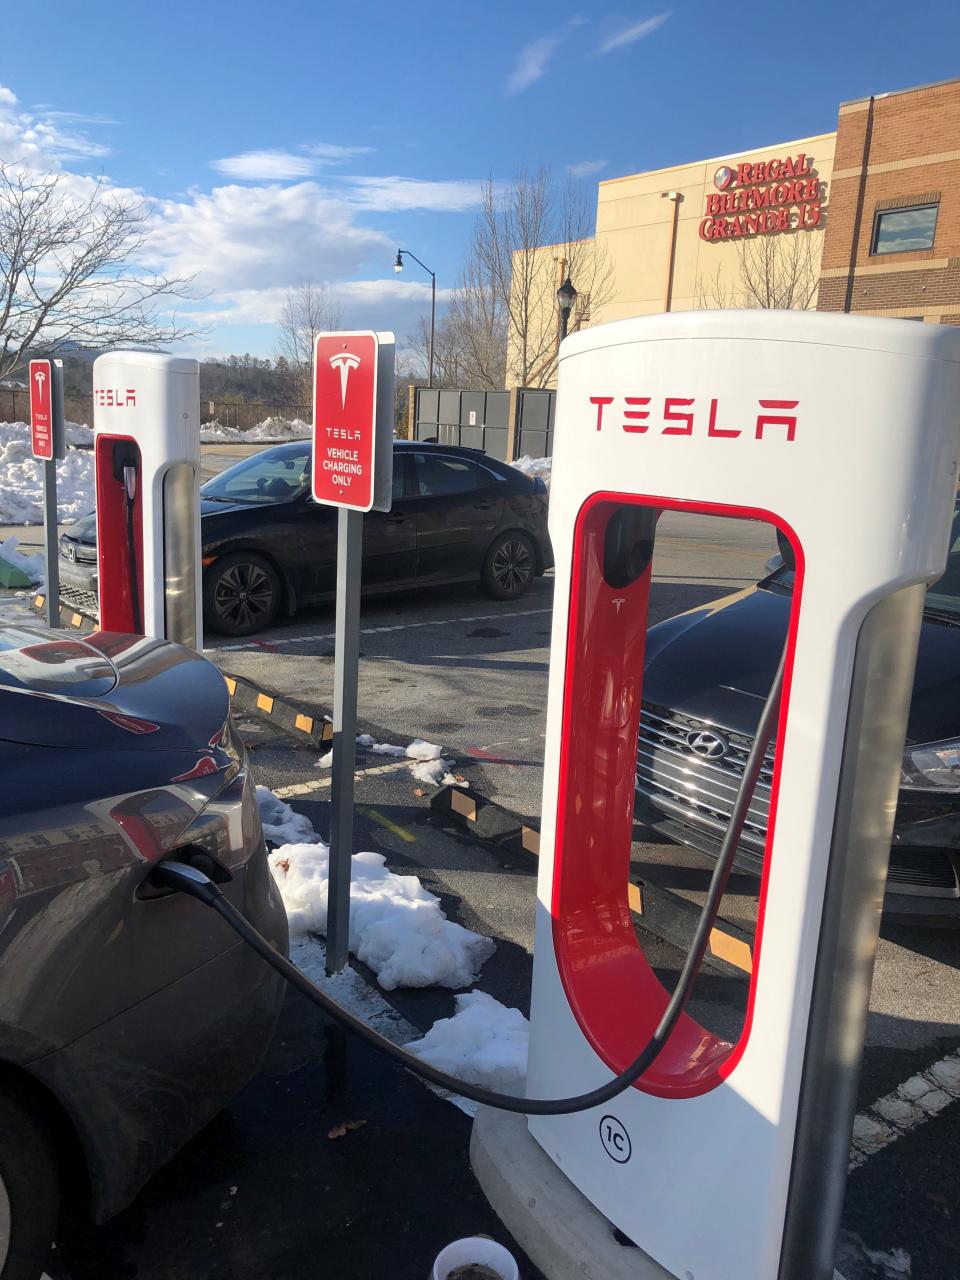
(903, 230)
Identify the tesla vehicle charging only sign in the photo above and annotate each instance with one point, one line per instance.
(345, 427)
(41, 409)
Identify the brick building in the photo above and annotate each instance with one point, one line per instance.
(892, 240)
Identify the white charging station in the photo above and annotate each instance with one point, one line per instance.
(146, 421)
(727, 1161)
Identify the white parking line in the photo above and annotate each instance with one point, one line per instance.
(319, 784)
(253, 646)
(910, 1105)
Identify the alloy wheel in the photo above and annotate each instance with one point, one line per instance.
(512, 566)
(243, 595)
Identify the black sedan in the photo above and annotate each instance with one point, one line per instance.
(706, 674)
(457, 516)
(127, 1017)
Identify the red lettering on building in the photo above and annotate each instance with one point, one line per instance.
(600, 402)
(786, 186)
(636, 415)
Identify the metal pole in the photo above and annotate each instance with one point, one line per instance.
(564, 321)
(433, 320)
(51, 541)
(347, 651)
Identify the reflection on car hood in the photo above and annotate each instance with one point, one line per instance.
(212, 506)
(719, 664)
(85, 529)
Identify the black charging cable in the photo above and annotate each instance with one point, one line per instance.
(191, 880)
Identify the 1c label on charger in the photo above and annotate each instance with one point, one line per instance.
(615, 1139)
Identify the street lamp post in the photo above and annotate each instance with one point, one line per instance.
(566, 297)
(398, 267)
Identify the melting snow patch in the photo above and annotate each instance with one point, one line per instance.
(280, 824)
(325, 761)
(483, 1043)
(397, 927)
(429, 764)
(420, 750)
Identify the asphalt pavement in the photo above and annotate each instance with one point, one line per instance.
(265, 1192)
(456, 669)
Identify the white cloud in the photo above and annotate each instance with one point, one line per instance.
(332, 152)
(532, 63)
(265, 166)
(281, 166)
(235, 238)
(584, 168)
(391, 194)
(636, 31)
(36, 138)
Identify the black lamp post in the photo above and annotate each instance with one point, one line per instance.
(398, 267)
(566, 297)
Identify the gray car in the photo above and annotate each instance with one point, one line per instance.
(127, 1018)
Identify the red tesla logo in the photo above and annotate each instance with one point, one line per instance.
(686, 416)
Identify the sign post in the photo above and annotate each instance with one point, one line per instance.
(47, 441)
(353, 471)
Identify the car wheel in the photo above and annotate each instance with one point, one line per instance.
(241, 594)
(510, 566)
(29, 1193)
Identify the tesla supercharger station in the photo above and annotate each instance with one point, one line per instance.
(728, 1160)
(146, 422)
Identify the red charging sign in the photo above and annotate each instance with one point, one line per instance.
(345, 419)
(41, 408)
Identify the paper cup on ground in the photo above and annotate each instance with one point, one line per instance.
(479, 1251)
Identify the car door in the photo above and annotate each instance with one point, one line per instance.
(389, 539)
(458, 507)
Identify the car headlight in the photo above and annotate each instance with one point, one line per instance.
(932, 766)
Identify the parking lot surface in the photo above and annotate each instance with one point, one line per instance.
(265, 1192)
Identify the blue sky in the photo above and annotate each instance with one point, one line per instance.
(292, 141)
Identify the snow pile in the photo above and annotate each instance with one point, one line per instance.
(429, 765)
(21, 477)
(271, 429)
(535, 468)
(397, 927)
(483, 1043)
(32, 567)
(280, 824)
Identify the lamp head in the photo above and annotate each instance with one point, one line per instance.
(566, 295)
(398, 265)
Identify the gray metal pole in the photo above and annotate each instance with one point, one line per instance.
(347, 649)
(433, 322)
(51, 541)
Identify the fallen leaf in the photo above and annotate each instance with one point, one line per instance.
(284, 865)
(459, 777)
(418, 792)
(348, 1126)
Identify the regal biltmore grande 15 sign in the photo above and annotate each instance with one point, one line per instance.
(759, 198)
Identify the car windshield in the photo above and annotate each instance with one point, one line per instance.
(275, 475)
(943, 596)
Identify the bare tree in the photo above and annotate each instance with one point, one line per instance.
(307, 310)
(526, 241)
(67, 270)
(776, 272)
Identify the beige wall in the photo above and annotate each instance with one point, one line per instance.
(633, 232)
(549, 267)
(634, 223)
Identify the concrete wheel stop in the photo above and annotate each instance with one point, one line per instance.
(557, 1227)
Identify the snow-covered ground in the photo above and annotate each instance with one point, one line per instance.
(271, 429)
(483, 1043)
(428, 763)
(540, 467)
(397, 927)
(400, 931)
(21, 476)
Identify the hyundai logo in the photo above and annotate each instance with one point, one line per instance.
(711, 746)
